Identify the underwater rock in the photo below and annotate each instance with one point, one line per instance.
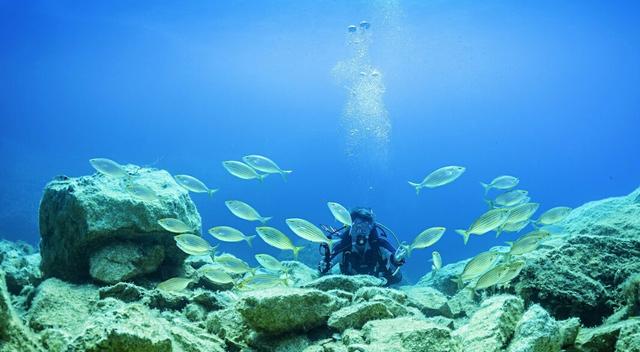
(123, 291)
(59, 305)
(569, 331)
(118, 262)
(429, 301)
(463, 304)
(444, 280)
(536, 331)
(166, 300)
(492, 326)
(369, 293)
(344, 282)
(280, 310)
(209, 300)
(21, 265)
(580, 278)
(605, 337)
(229, 325)
(14, 336)
(299, 273)
(407, 334)
(631, 291)
(79, 216)
(352, 336)
(354, 316)
(629, 338)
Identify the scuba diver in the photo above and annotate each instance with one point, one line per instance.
(364, 248)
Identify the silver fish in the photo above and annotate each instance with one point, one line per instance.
(501, 182)
(554, 215)
(277, 239)
(108, 167)
(440, 177)
(192, 184)
(174, 225)
(427, 238)
(242, 170)
(264, 164)
(340, 213)
(488, 221)
(245, 211)
(308, 231)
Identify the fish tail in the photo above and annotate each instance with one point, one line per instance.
(416, 186)
(212, 191)
(264, 219)
(499, 231)
(249, 240)
(261, 177)
(486, 187)
(284, 174)
(458, 281)
(489, 203)
(535, 225)
(296, 250)
(465, 235)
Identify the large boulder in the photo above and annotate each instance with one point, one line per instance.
(81, 216)
(608, 337)
(536, 331)
(344, 282)
(429, 301)
(354, 316)
(407, 334)
(491, 327)
(280, 310)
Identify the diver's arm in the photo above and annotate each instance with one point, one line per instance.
(393, 252)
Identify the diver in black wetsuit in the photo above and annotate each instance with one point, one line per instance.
(364, 248)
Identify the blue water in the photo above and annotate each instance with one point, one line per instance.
(546, 91)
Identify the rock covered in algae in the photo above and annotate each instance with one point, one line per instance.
(492, 326)
(344, 282)
(408, 334)
(606, 337)
(21, 264)
(280, 310)
(354, 316)
(429, 301)
(14, 336)
(536, 331)
(123, 261)
(79, 216)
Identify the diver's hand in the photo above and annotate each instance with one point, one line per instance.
(324, 266)
(400, 255)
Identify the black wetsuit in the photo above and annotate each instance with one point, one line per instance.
(377, 259)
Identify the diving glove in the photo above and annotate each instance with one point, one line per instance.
(400, 255)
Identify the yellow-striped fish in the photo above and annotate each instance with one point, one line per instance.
(192, 184)
(491, 277)
(266, 165)
(513, 270)
(503, 182)
(426, 238)
(232, 264)
(269, 262)
(437, 261)
(142, 192)
(242, 170)
(245, 211)
(174, 225)
(216, 275)
(192, 244)
(509, 199)
(524, 245)
(553, 215)
(440, 177)
(308, 231)
(230, 234)
(277, 239)
(340, 213)
(174, 284)
(478, 265)
(488, 221)
(108, 167)
(522, 212)
(261, 281)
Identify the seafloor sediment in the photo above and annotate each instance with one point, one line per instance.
(91, 287)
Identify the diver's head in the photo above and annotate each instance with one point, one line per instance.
(362, 227)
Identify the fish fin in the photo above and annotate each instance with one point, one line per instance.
(534, 223)
(296, 250)
(509, 242)
(458, 280)
(249, 239)
(498, 231)
(489, 203)
(264, 219)
(486, 187)
(261, 177)
(212, 191)
(416, 186)
(464, 234)
(284, 174)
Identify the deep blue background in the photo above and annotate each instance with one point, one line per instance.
(545, 91)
